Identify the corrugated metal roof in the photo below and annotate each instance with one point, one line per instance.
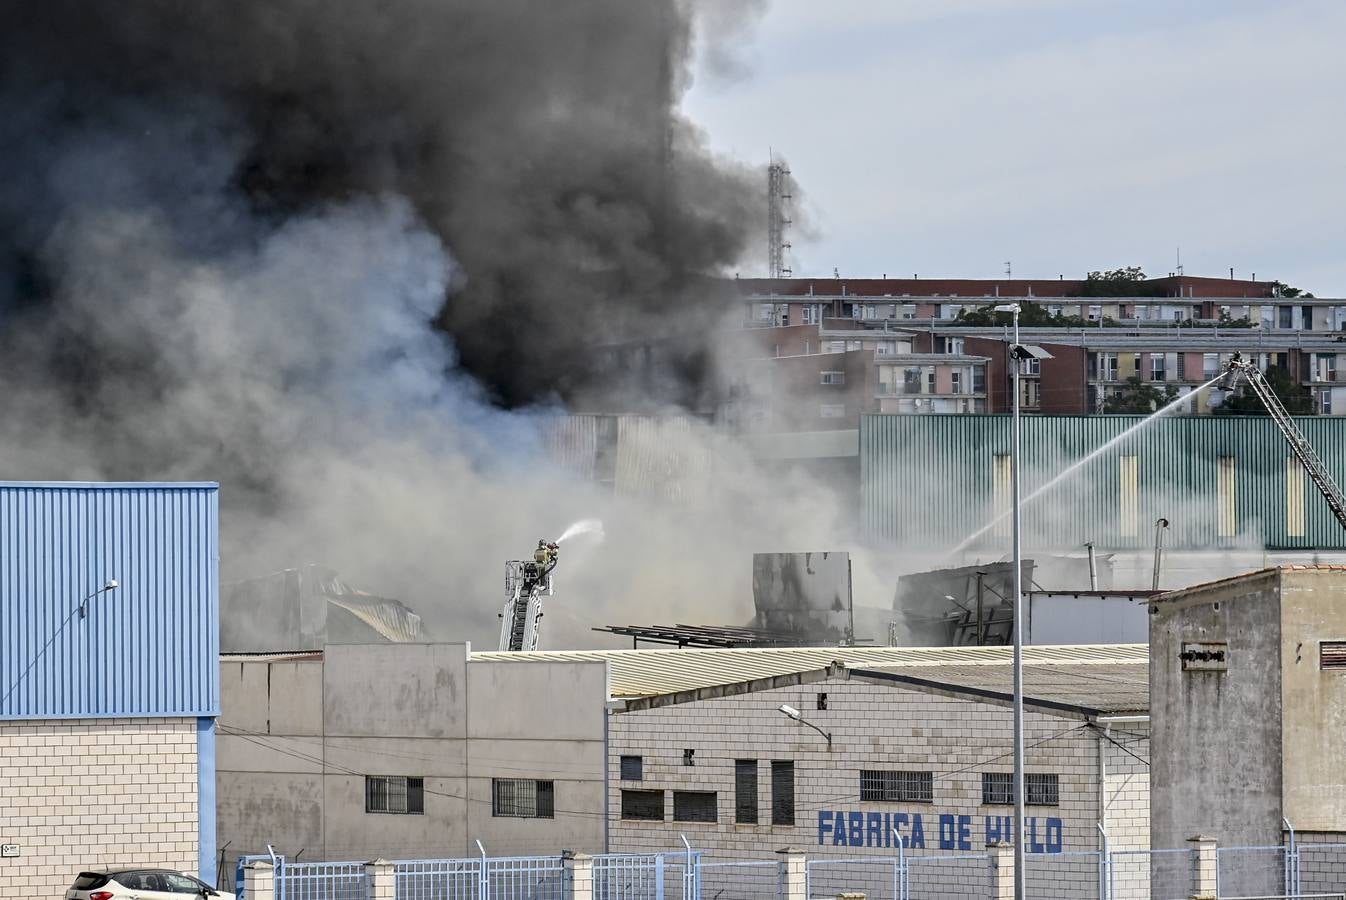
(647, 673)
(148, 647)
(1107, 687)
(928, 480)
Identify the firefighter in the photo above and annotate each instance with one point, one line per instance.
(545, 557)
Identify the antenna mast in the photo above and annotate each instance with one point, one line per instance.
(777, 195)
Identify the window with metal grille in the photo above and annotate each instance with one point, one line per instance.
(832, 377)
(745, 791)
(1332, 654)
(694, 806)
(522, 798)
(646, 806)
(394, 794)
(1041, 789)
(782, 792)
(633, 768)
(906, 787)
(997, 787)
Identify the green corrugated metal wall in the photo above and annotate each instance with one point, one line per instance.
(927, 480)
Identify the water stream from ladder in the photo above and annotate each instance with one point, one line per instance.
(1075, 467)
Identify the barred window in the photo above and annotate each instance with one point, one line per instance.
(782, 792)
(522, 798)
(633, 768)
(645, 806)
(394, 794)
(1041, 789)
(694, 806)
(903, 787)
(745, 791)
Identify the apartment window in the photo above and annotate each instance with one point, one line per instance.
(1108, 364)
(1095, 313)
(930, 381)
(782, 792)
(1157, 367)
(854, 345)
(979, 380)
(836, 347)
(522, 798)
(1210, 365)
(832, 411)
(831, 377)
(896, 787)
(643, 806)
(1285, 317)
(1325, 401)
(957, 382)
(871, 312)
(911, 381)
(1225, 497)
(745, 791)
(633, 768)
(694, 806)
(766, 312)
(1032, 366)
(394, 794)
(811, 314)
(1128, 494)
(1294, 497)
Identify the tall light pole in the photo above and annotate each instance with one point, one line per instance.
(1016, 356)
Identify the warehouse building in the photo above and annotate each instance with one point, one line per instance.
(108, 680)
(1224, 483)
(888, 742)
(1248, 679)
(407, 750)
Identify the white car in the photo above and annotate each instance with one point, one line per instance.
(139, 883)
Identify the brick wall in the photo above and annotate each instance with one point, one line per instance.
(88, 792)
(873, 726)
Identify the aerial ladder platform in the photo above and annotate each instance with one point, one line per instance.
(1299, 444)
(526, 583)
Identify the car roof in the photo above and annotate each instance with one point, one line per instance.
(122, 870)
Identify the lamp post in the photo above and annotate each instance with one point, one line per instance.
(791, 712)
(1016, 355)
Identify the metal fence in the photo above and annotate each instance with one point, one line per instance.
(321, 880)
(878, 877)
(1292, 870)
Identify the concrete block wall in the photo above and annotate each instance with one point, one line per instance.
(1128, 803)
(874, 726)
(79, 793)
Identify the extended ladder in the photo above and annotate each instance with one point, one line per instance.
(1299, 444)
(523, 606)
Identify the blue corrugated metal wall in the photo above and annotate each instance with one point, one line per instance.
(150, 647)
(927, 480)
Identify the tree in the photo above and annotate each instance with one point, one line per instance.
(1281, 289)
(1297, 399)
(1030, 314)
(1140, 397)
(1127, 282)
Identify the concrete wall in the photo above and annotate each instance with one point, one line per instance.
(1313, 609)
(297, 739)
(1215, 767)
(79, 793)
(873, 726)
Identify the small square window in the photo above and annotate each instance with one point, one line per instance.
(689, 757)
(633, 768)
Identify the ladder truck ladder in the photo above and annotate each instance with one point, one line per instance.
(523, 607)
(1299, 444)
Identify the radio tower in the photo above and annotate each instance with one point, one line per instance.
(777, 195)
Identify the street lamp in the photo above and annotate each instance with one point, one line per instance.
(84, 604)
(1018, 662)
(791, 712)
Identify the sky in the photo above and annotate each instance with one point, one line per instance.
(951, 137)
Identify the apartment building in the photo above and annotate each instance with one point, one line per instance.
(824, 377)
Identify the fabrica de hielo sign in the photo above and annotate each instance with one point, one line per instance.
(943, 831)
